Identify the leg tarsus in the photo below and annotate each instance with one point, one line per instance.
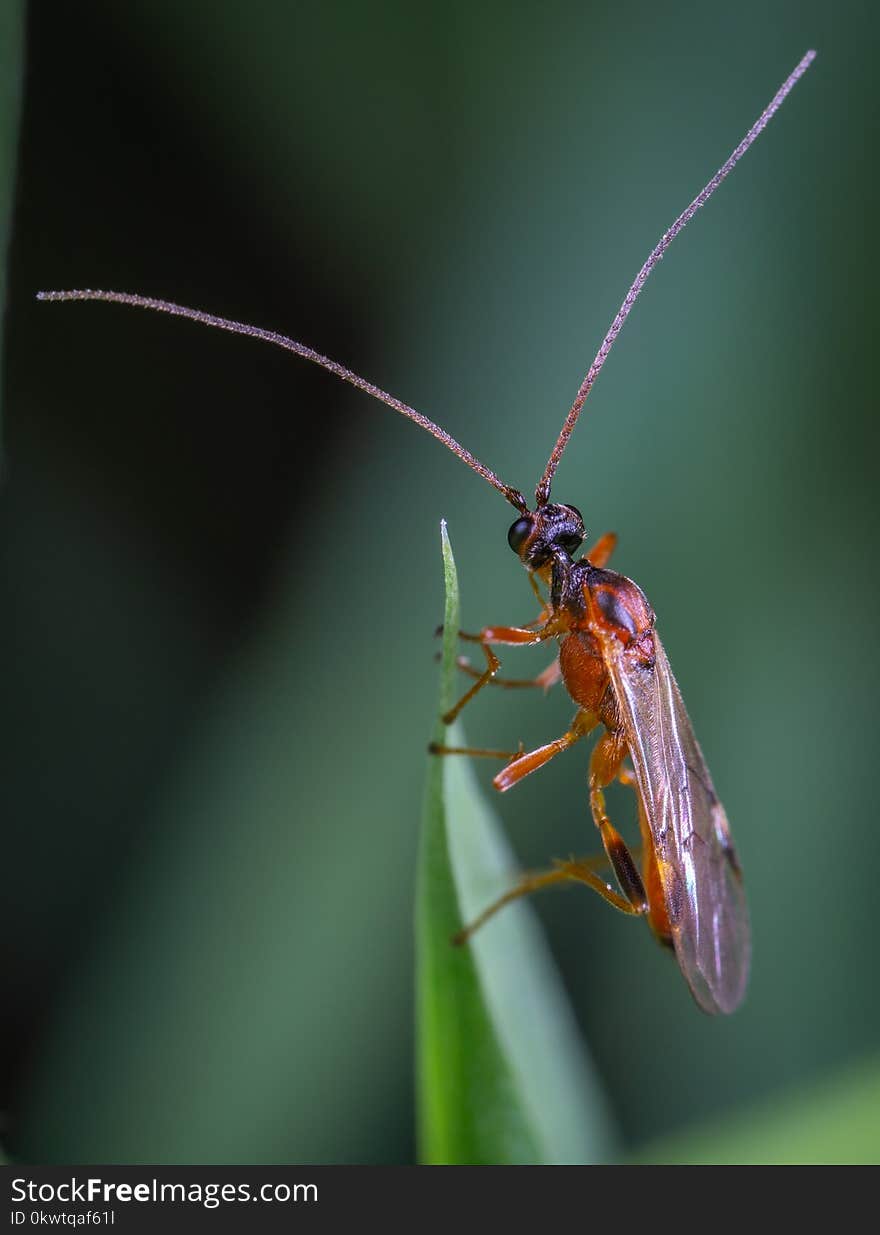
(493, 664)
(571, 871)
(436, 748)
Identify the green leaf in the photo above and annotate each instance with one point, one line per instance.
(503, 1076)
(834, 1122)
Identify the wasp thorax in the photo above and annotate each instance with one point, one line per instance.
(619, 604)
(538, 536)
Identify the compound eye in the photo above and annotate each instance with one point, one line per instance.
(574, 510)
(520, 532)
(571, 543)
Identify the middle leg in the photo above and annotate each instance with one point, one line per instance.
(575, 870)
(523, 763)
(544, 680)
(605, 764)
(509, 635)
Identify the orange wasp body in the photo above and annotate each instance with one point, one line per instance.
(614, 667)
(689, 885)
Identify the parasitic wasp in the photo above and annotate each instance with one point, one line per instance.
(688, 883)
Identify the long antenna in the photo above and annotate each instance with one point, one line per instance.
(542, 493)
(269, 336)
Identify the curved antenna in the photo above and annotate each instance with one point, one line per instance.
(269, 336)
(542, 493)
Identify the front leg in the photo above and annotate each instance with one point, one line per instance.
(512, 636)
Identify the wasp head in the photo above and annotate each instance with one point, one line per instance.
(538, 536)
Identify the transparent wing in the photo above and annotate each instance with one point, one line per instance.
(701, 878)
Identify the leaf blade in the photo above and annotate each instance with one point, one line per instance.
(832, 1121)
(502, 1074)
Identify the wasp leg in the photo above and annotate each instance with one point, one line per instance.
(627, 777)
(511, 635)
(657, 914)
(524, 764)
(573, 871)
(601, 551)
(526, 629)
(605, 766)
(476, 752)
(549, 677)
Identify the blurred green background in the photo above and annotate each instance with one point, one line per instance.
(221, 568)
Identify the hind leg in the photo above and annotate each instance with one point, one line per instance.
(575, 870)
(605, 766)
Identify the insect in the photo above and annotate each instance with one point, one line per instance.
(688, 883)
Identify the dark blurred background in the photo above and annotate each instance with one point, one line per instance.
(221, 567)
